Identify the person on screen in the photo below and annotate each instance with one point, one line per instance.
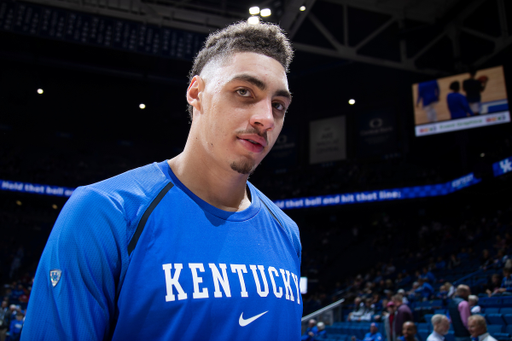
(473, 88)
(428, 93)
(185, 248)
(457, 102)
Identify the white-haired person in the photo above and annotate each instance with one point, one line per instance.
(473, 304)
(441, 325)
(478, 328)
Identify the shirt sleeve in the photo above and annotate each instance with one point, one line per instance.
(464, 312)
(83, 253)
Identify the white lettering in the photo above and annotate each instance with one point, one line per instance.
(223, 280)
(263, 293)
(279, 293)
(196, 279)
(286, 281)
(239, 268)
(296, 281)
(173, 281)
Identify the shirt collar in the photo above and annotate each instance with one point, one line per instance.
(439, 335)
(483, 336)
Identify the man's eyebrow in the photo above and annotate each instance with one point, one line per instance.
(261, 85)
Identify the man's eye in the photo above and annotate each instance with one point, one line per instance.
(279, 106)
(243, 92)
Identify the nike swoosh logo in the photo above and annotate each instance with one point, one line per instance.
(244, 322)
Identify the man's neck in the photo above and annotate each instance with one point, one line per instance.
(224, 189)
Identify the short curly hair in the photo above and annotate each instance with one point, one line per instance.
(265, 38)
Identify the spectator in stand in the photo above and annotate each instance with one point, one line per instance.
(358, 311)
(403, 314)
(373, 335)
(441, 325)
(388, 321)
(15, 328)
(369, 311)
(459, 311)
(440, 264)
(478, 328)
(425, 290)
(409, 332)
(311, 332)
(427, 274)
(450, 288)
(4, 320)
(493, 285)
(506, 283)
(453, 262)
(486, 259)
(473, 304)
(404, 298)
(322, 333)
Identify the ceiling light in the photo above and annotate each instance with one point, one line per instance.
(351, 101)
(302, 8)
(40, 91)
(254, 20)
(142, 106)
(265, 12)
(254, 10)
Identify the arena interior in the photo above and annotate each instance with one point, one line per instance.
(72, 115)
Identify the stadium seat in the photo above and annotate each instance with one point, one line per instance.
(508, 329)
(495, 319)
(440, 311)
(506, 310)
(506, 301)
(424, 325)
(423, 334)
(492, 310)
(428, 317)
(502, 336)
(507, 318)
(494, 328)
(490, 302)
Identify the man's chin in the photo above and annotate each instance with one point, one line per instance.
(245, 167)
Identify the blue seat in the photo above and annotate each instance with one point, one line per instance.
(492, 310)
(507, 318)
(506, 301)
(424, 326)
(508, 329)
(502, 336)
(495, 319)
(423, 334)
(428, 317)
(506, 310)
(494, 328)
(490, 302)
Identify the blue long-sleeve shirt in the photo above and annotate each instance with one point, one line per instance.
(507, 283)
(458, 105)
(429, 92)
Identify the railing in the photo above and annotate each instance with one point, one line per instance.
(328, 315)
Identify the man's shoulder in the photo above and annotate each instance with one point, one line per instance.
(289, 226)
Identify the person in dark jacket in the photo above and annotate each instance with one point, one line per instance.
(459, 311)
(402, 314)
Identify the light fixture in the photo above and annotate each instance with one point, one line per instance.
(254, 10)
(351, 101)
(302, 8)
(55, 206)
(266, 12)
(40, 91)
(254, 20)
(482, 155)
(142, 106)
(19, 203)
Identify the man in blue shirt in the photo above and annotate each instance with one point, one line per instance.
(186, 248)
(373, 335)
(457, 103)
(428, 93)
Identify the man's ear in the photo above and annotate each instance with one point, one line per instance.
(194, 92)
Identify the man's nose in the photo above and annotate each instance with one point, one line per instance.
(263, 116)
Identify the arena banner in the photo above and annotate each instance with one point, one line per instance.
(24, 187)
(502, 167)
(284, 153)
(380, 195)
(376, 133)
(327, 140)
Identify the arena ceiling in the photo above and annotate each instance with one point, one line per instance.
(425, 36)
